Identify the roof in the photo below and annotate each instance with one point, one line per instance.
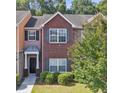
(35, 21)
(32, 49)
(20, 15)
(95, 16)
(75, 19)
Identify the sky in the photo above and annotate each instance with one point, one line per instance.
(68, 2)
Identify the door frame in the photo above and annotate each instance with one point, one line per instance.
(31, 56)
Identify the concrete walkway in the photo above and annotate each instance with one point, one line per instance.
(27, 85)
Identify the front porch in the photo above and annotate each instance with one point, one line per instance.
(31, 65)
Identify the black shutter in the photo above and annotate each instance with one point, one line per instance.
(26, 35)
(37, 35)
(68, 37)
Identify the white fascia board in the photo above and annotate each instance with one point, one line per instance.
(92, 18)
(61, 16)
(31, 52)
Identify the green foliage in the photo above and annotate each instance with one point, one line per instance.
(17, 78)
(65, 78)
(56, 77)
(83, 7)
(47, 6)
(38, 13)
(62, 7)
(22, 4)
(90, 56)
(102, 7)
(43, 76)
(52, 6)
(49, 78)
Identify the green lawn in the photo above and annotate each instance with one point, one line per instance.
(73, 88)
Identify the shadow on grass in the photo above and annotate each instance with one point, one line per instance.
(38, 82)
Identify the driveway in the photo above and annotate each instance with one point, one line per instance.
(27, 85)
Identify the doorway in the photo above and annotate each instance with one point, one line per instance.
(32, 64)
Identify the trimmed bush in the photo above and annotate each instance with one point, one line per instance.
(65, 78)
(43, 76)
(56, 77)
(17, 78)
(49, 78)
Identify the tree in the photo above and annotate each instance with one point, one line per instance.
(62, 7)
(102, 7)
(83, 7)
(69, 11)
(47, 6)
(22, 4)
(38, 13)
(89, 56)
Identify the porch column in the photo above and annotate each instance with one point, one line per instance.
(26, 61)
(37, 65)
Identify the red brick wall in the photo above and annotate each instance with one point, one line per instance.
(56, 50)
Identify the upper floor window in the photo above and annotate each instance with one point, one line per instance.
(31, 35)
(57, 35)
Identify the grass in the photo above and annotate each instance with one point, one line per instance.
(72, 88)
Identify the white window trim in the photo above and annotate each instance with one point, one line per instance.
(31, 35)
(58, 65)
(57, 35)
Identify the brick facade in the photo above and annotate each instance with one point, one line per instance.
(56, 50)
(48, 50)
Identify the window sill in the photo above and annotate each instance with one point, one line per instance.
(57, 42)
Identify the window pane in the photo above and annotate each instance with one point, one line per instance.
(62, 35)
(53, 38)
(53, 32)
(53, 68)
(31, 32)
(31, 37)
(62, 32)
(62, 39)
(62, 68)
(53, 62)
(62, 65)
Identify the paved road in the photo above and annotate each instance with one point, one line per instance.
(27, 85)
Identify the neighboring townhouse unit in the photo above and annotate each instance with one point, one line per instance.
(22, 17)
(47, 39)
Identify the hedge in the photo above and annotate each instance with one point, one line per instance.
(43, 76)
(65, 78)
(49, 78)
(56, 77)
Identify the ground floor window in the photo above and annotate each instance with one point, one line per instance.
(57, 64)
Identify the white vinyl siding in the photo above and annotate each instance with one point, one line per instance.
(57, 35)
(57, 64)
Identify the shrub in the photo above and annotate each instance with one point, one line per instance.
(65, 78)
(49, 78)
(56, 77)
(17, 78)
(43, 76)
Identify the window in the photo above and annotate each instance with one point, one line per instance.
(57, 35)
(31, 35)
(57, 64)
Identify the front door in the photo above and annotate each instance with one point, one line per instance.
(32, 65)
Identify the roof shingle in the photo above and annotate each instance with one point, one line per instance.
(76, 19)
(20, 15)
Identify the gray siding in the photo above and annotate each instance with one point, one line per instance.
(20, 65)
